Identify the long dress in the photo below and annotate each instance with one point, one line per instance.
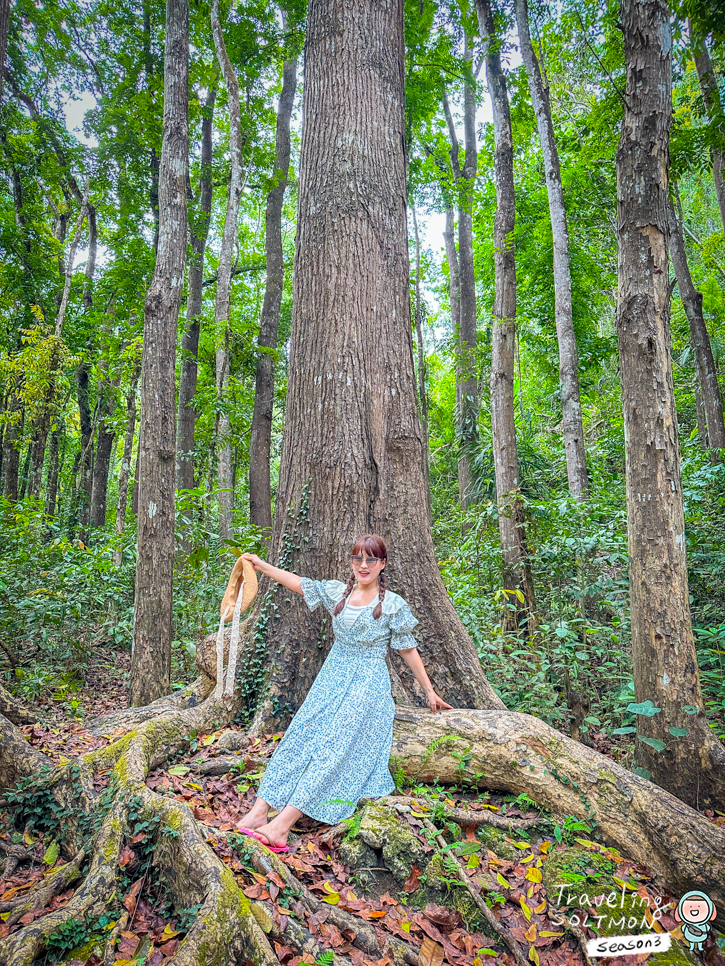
(337, 747)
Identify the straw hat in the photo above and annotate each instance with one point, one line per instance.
(243, 571)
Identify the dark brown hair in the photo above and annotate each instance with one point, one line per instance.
(372, 546)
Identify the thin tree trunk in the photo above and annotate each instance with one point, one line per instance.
(199, 231)
(351, 454)
(101, 465)
(691, 762)
(700, 411)
(84, 487)
(42, 424)
(224, 279)
(576, 464)
(4, 24)
(516, 569)
(260, 493)
(153, 156)
(53, 469)
(711, 94)
(466, 369)
(422, 395)
(152, 631)
(699, 337)
(25, 472)
(123, 476)
(11, 446)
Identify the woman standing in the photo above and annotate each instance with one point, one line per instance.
(337, 747)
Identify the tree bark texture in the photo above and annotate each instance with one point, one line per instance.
(516, 569)
(125, 472)
(151, 659)
(711, 95)
(53, 472)
(691, 766)
(224, 280)
(699, 336)
(573, 429)
(104, 448)
(260, 494)
(199, 231)
(351, 456)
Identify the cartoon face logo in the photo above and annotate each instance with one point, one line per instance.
(695, 911)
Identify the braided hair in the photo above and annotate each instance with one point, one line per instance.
(372, 545)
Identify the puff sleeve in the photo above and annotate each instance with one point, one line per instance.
(401, 623)
(325, 592)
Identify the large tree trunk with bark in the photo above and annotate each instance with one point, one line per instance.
(199, 231)
(516, 569)
(678, 748)
(351, 455)
(11, 449)
(260, 494)
(152, 630)
(699, 337)
(224, 281)
(576, 464)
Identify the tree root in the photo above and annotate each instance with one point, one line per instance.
(498, 927)
(519, 753)
(576, 931)
(366, 938)
(190, 697)
(13, 710)
(465, 818)
(56, 883)
(295, 935)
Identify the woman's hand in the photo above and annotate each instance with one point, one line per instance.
(254, 560)
(435, 703)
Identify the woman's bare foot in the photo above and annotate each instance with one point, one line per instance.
(255, 817)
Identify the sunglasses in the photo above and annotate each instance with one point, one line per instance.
(357, 559)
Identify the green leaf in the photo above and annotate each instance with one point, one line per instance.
(679, 732)
(624, 731)
(51, 853)
(642, 772)
(690, 709)
(645, 707)
(653, 742)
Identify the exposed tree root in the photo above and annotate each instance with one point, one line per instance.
(13, 710)
(465, 818)
(519, 753)
(366, 938)
(502, 750)
(190, 697)
(58, 882)
(498, 927)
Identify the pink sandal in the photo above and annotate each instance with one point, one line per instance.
(267, 843)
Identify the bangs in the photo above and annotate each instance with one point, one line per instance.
(372, 546)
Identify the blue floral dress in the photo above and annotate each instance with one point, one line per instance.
(337, 747)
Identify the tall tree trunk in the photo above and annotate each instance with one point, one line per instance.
(11, 446)
(102, 461)
(123, 476)
(42, 423)
(516, 569)
(224, 279)
(152, 630)
(466, 369)
(699, 337)
(153, 156)
(82, 503)
(691, 766)
(351, 454)
(4, 24)
(422, 395)
(576, 464)
(711, 94)
(199, 231)
(53, 471)
(260, 494)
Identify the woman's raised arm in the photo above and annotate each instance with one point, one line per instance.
(276, 573)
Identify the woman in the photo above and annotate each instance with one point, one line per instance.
(337, 747)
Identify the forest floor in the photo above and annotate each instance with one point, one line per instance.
(543, 871)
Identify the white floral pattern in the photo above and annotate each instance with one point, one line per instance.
(337, 747)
